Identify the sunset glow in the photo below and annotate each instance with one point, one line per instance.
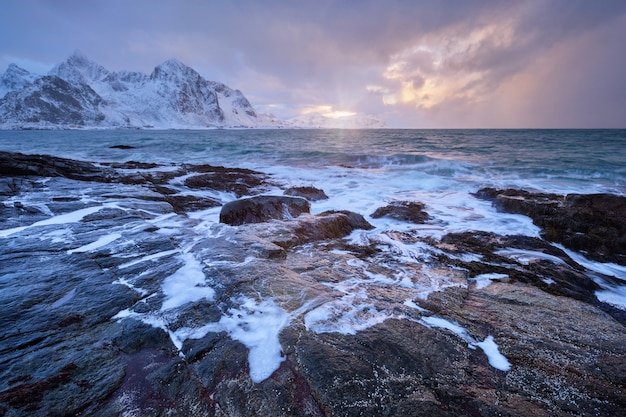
(412, 64)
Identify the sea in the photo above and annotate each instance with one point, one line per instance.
(558, 160)
(363, 169)
(360, 171)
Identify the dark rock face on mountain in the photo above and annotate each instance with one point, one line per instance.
(53, 101)
(594, 224)
(118, 298)
(183, 90)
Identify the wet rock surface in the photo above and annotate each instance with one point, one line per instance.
(594, 224)
(310, 193)
(115, 300)
(260, 209)
(411, 211)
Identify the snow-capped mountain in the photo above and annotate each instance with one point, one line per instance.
(51, 102)
(81, 93)
(15, 78)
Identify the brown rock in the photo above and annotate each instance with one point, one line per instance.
(411, 211)
(594, 224)
(262, 208)
(310, 193)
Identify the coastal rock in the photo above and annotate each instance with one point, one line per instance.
(238, 181)
(410, 211)
(14, 164)
(326, 225)
(593, 224)
(17, 168)
(310, 193)
(121, 304)
(186, 203)
(124, 147)
(534, 260)
(262, 208)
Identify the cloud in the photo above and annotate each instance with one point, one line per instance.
(453, 76)
(421, 63)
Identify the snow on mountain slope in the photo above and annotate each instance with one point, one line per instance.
(87, 94)
(15, 78)
(51, 102)
(77, 69)
(174, 95)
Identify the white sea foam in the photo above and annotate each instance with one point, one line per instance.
(72, 217)
(412, 304)
(484, 280)
(186, 285)
(525, 256)
(433, 321)
(612, 292)
(147, 258)
(614, 295)
(610, 269)
(102, 241)
(257, 325)
(121, 281)
(347, 315)
(495, 358)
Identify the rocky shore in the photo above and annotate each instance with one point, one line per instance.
(119, 297)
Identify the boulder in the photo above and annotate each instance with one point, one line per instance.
(235, 181)
(327, 225)
(410, 211)
(260, 209)
(122, 147)
(591, 223)
(310, 193)
(186, 203)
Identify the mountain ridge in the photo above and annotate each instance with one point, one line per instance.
(81, 93)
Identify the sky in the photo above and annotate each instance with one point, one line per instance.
(411, 63)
